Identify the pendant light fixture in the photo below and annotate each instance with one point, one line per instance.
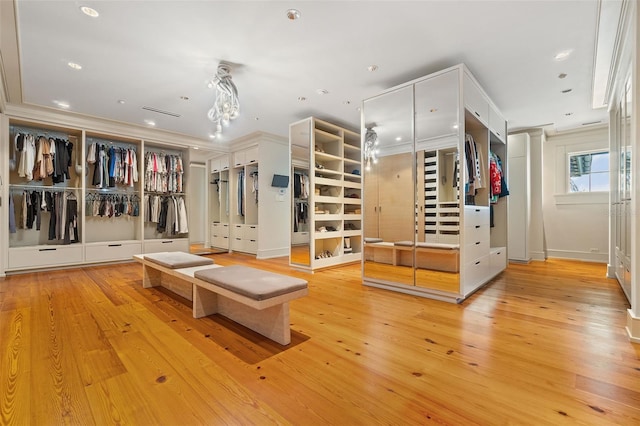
(226, 106)
(370, 150)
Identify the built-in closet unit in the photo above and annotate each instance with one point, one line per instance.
(519, 178)
(78, 196)
(258, 213)
(435, 205)
(624, 139)
(326, 166)
(219, 202)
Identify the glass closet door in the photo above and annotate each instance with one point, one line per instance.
(389, 195)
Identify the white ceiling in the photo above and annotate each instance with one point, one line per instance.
(150, 53)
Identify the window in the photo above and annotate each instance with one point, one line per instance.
(589, 171)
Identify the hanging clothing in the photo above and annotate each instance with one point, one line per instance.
(12, 216)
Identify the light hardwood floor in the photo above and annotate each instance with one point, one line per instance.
(542, 344)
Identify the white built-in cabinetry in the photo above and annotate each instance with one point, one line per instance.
(334, 200)
(219, 202)
(241, 197)
(100, 205)
(439, 138)
(519, 199)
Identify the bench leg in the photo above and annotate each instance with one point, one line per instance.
(271, 322)
(151, 277)
(205, 302)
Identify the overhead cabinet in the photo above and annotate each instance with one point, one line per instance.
(434, 189)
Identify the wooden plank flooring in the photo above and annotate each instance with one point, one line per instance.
(542, 344)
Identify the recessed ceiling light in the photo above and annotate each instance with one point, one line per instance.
(195, 147)
(184, 98)
(74, 65)
(399, 138)
(567, 90)
(293, 14)
(322, 91)
(346, 102)
(561, 56)
(372, 68)
(455, 126)
(121, 101)
(212, 136)
(562, 75)
(150, 122)
(89, 11)
(62, 104)
(302, 98)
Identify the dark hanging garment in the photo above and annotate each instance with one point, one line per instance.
(71, 222)
(162, 220)
(97, 168)
(297, 185)
(53, 208)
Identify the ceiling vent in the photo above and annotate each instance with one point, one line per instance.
(159, 111)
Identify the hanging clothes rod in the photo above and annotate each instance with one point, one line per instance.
(37, 131)
(45, 187)
(119, 144)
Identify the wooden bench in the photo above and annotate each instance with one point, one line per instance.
(257, 299)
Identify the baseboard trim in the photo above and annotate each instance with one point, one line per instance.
(538, 255)
(633, 327)
(579, 255)
(271, 253)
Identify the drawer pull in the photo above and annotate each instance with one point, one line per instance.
(48, 249)
(476, 113)
(478, 262)
(498, 252)
(477, 226)
(114, 245)
(167, 242)
(477, 243)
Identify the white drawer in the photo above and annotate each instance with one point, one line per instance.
(251, 246)
(221, 242)
(177, 244)
(498, 259)
(237, 243)
(39, 256)
(102, 252)
(250, 232)
(476, 233)
(476, 273)
(474, 251)
(476, 215)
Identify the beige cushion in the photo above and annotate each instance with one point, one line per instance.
(177, 259)
(250, 282)
(403, 243)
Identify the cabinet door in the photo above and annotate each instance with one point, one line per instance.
(436, 101)
(497, 124)
(239, 158)
(251, 155)
(475, 101)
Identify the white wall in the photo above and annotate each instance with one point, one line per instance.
(576, 226)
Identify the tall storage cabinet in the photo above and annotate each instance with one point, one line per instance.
(441, 152)
(334, 200)
(98, 197)
(258, 213)
(219, 202)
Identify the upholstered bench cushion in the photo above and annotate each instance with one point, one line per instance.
(373, 240)
(177, 259)
(443, 246)
(250, 282)
(403, 243)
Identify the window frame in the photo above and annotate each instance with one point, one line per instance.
(590, 174)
